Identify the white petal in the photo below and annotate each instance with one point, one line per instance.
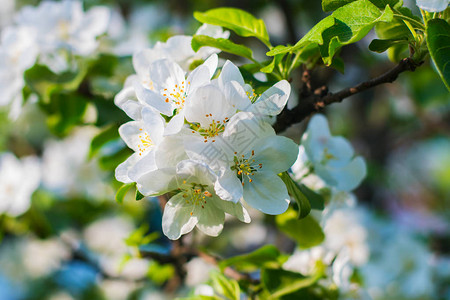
(166, 74)
(154, 124)
(433, 5)
(341, 150)
(130, 132)
(121, 172)
(210, 218)
(175, 124)
(170, 151)
(156, 182)
(177, 219)
(276, 153)
(349, 177)
(267, 193)
(229, 187)
(145, 165)
(153, 99)
(211, 64)
(133, 109)
(199, 77)
(229, 73)
(234, 209)
(236, 96)
(198, 171)
(207, 104)
(272, 101)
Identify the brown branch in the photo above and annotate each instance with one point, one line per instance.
(316, 100)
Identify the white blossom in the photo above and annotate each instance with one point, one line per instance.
(433, 5)
(332, 158)
(194, 204)
(19, 178)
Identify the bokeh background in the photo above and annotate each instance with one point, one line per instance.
(75, 242)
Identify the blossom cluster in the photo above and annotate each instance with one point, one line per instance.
(52, 34)
(203, 137)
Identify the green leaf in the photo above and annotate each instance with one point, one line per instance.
(139, 196)
(316, 200)
(107, 134)
(122, 191)
(306, 232)
(353, 22)
(330, 5)
(275, 61)
(160, 273)
(266, 255)
(66, 110)
(44, 82)
(348, 24)
(382, 45)
(438, 41)
(225, 286)
(225, 45)
(304, 207)
(241, 22)
(281, 282)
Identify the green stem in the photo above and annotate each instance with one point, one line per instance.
(294, 61)
(418, 24)
(413, 31)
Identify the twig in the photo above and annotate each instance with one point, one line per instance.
(319, 98)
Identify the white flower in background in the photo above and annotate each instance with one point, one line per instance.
(402, 268)
(249, 157)
(18, 52)
(178, 49)
(433, 5)
(6, 12)
(344, 231)
(309, 261)
(64, 26)
(142, 136)
(195, 204)
(67, 171)
(19, 178)
(51, 254)
(197, 271)
(332, 158)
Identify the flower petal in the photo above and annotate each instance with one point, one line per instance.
(273, 100)
(228, 187)
(121, 171)
(210, 218)
(177, 219)
(234, 209)
(276, 153)
(229, 73)
(156, 182)
(267, 193)
(146, 164)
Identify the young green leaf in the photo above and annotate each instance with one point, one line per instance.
(249, 262)
(226, 287)
(225, 45)
(306, 232)
(139, 196)
(120, 195)
(330, 5)
(241, 22)
(281, 282)
(316, 200)
(438, 40)
(382, 45)
(304, 207)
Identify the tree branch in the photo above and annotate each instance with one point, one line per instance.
(313, 101)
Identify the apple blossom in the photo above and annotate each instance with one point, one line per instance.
(195, 202)
(332, 158)
(249, 157)
(19, 178)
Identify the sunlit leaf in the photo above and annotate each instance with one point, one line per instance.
(225, 45)
(241, 22)
(438, 40)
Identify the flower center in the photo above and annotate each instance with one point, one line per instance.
(327, 156)
(63, 28)
(215, 128)
(176, 94)
(252, 96)
(246, 167)
(195, 194)
(145, 142)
